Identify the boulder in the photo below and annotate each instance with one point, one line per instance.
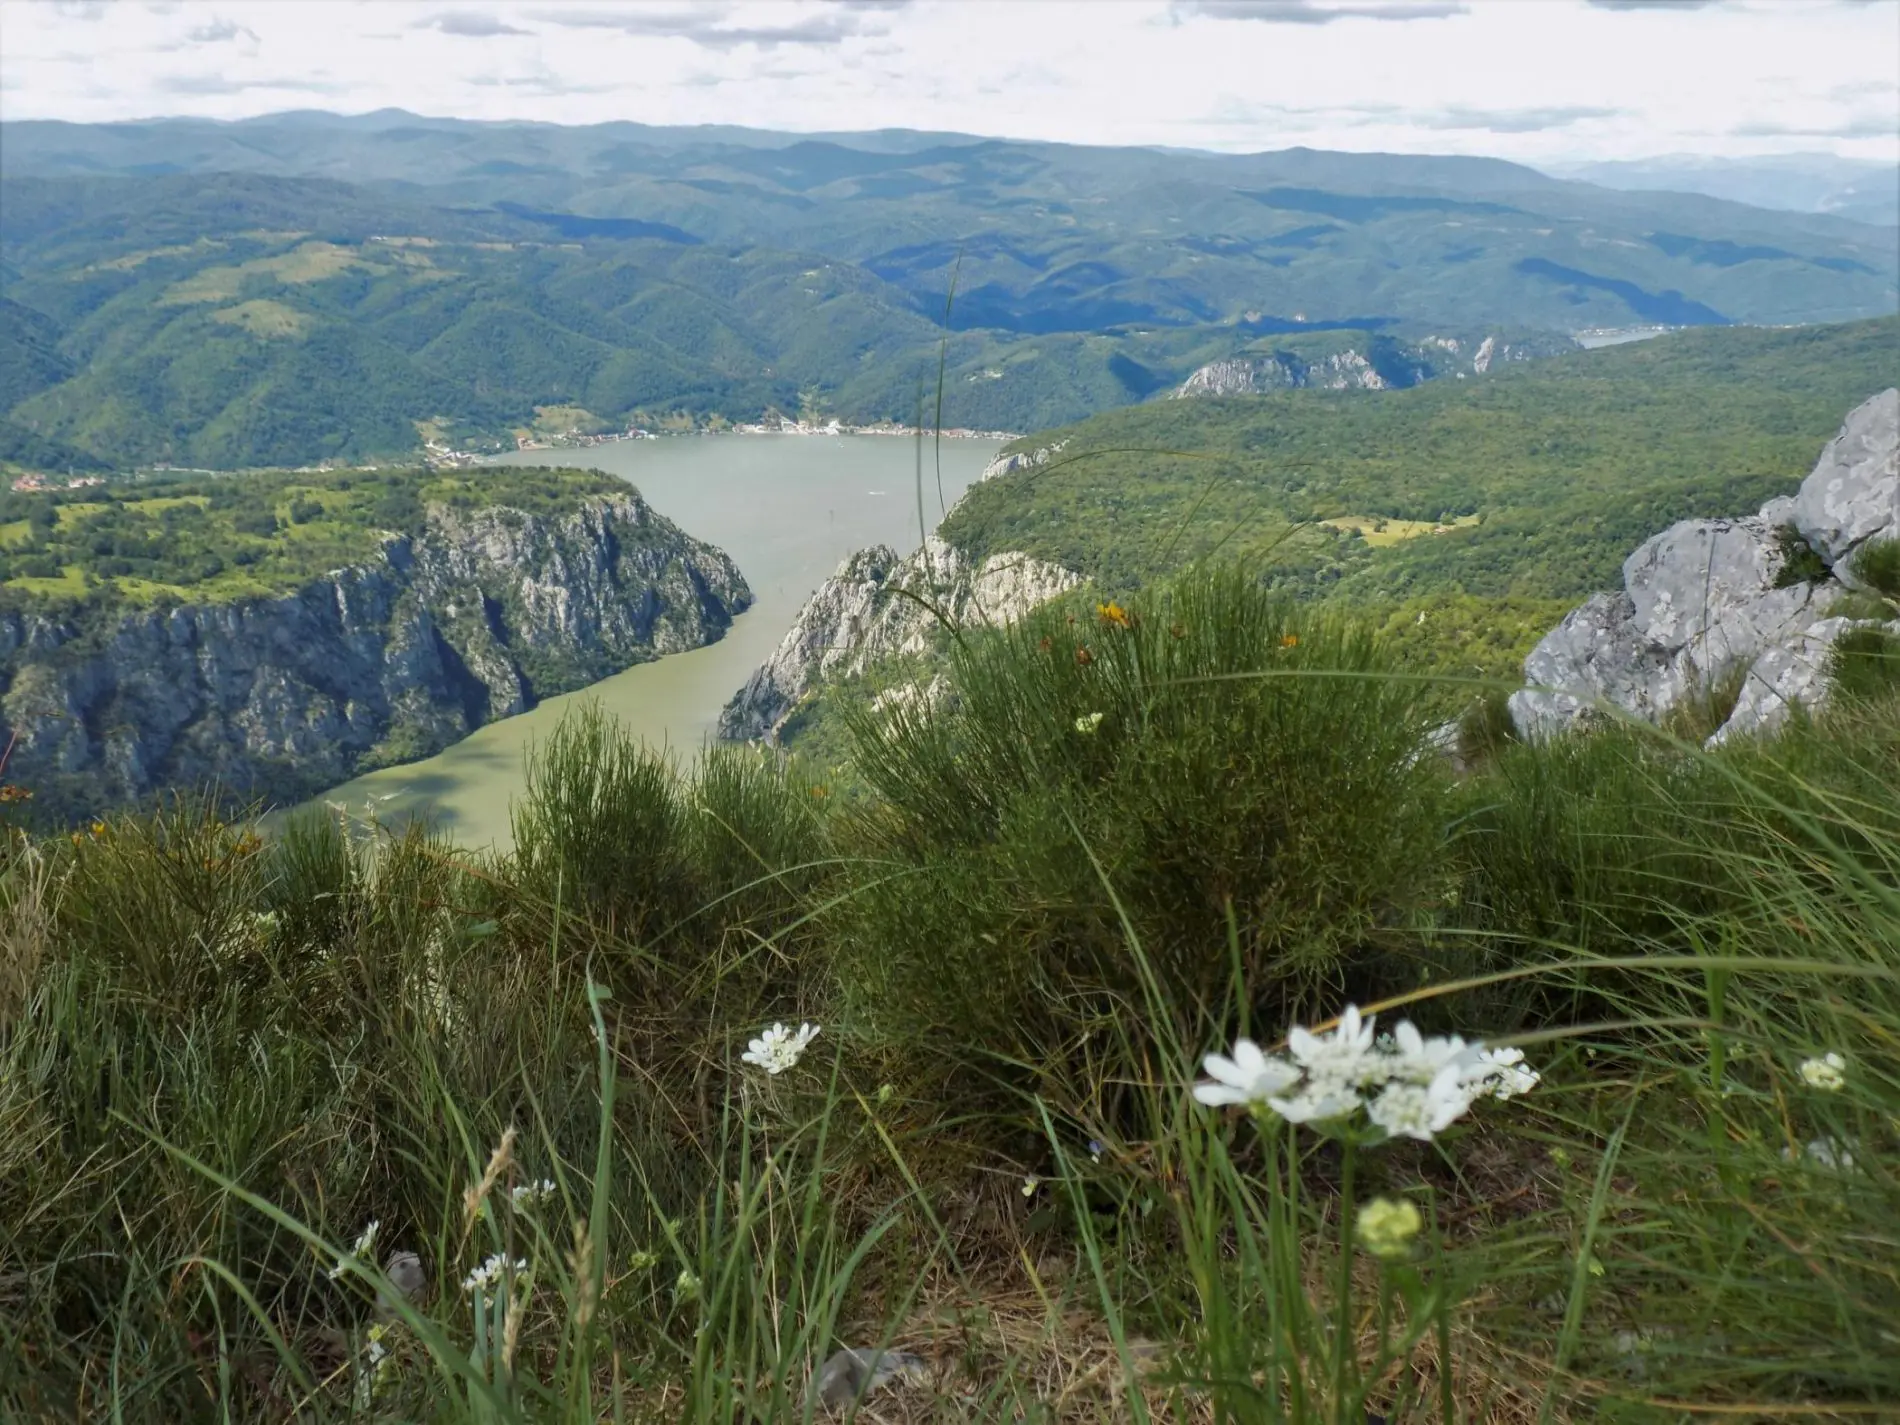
(851, 1373)
(1707, 600)
(1853, 496)
(1790, 673)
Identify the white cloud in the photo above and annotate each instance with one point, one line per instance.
(1318, 12)
(470, 24)
(218, 31)
(1537, 80)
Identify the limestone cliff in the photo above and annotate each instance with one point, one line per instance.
(879, 606)
(475, 616)
(1382, 365)
(1714, 603)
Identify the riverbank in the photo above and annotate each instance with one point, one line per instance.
(785, 509)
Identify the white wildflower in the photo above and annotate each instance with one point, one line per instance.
(1501, 1073)
(1829, 1072)
(1340, 1060)
(365, 1240)
(778, 1048)
(490, 1272)
(1406, 1110)
(1830, 1153)
(1088, 722)
(1314, 1104)
(1030, 1184)
(1249, 1077)
(1413, 1086)
(1411, 1057)
(528, 1195)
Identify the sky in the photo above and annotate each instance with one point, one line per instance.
(1535, 80)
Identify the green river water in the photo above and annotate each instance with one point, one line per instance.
(786, 508)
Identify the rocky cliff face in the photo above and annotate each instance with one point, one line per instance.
(879, 606)
(1012, 461)
(1385, 365)
(477, 616)
(1707, 602)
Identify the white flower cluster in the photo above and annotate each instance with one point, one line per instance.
(364, 1241)
(1827, 1072)
(1410, 1086)
(778, 1048)
(1834, 1154)
(530, 1194)
(489, 1272)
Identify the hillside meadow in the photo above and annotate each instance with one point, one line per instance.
(1516, 495)
(348, 1124)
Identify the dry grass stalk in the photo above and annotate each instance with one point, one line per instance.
(498, 1163)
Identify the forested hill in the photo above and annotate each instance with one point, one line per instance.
(216, 294)
(1523, 491)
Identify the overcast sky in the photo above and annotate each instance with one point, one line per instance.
(1541, 80)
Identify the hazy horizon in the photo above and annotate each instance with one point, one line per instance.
(1546, 83)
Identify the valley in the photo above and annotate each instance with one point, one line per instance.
(786, 509)
(745, 711)
(315, 288)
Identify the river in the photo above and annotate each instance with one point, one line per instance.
(786, 508)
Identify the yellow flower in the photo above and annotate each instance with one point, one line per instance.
(1386, 1227)
(1289, 640)
(1114, 613)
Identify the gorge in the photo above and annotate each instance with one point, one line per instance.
(471, 616)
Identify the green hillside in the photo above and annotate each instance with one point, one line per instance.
(238, 537)
(212, 294)
(1501, 501)
(1552, 471)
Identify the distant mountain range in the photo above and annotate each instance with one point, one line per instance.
(1861, 189)
(309, 285)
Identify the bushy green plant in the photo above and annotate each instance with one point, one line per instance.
(222, 1057)
(1800, 562)
(1208, 754)
(600, 829)
(1864, 663)
(1877, 565)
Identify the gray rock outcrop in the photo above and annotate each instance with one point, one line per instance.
(477, 616)
(1397, 365)
(1282, 370)
(851, 1373)
(1708, 605)
(1012, 461)
(1853, 497)
(879, 606)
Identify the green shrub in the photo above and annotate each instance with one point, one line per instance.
(1864, 664)
(1877, 565)
(1212, 755)
(600, 829)
(1800, 562)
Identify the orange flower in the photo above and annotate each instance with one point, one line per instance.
(1289, 640)
(1113, 613)
(820, 792)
